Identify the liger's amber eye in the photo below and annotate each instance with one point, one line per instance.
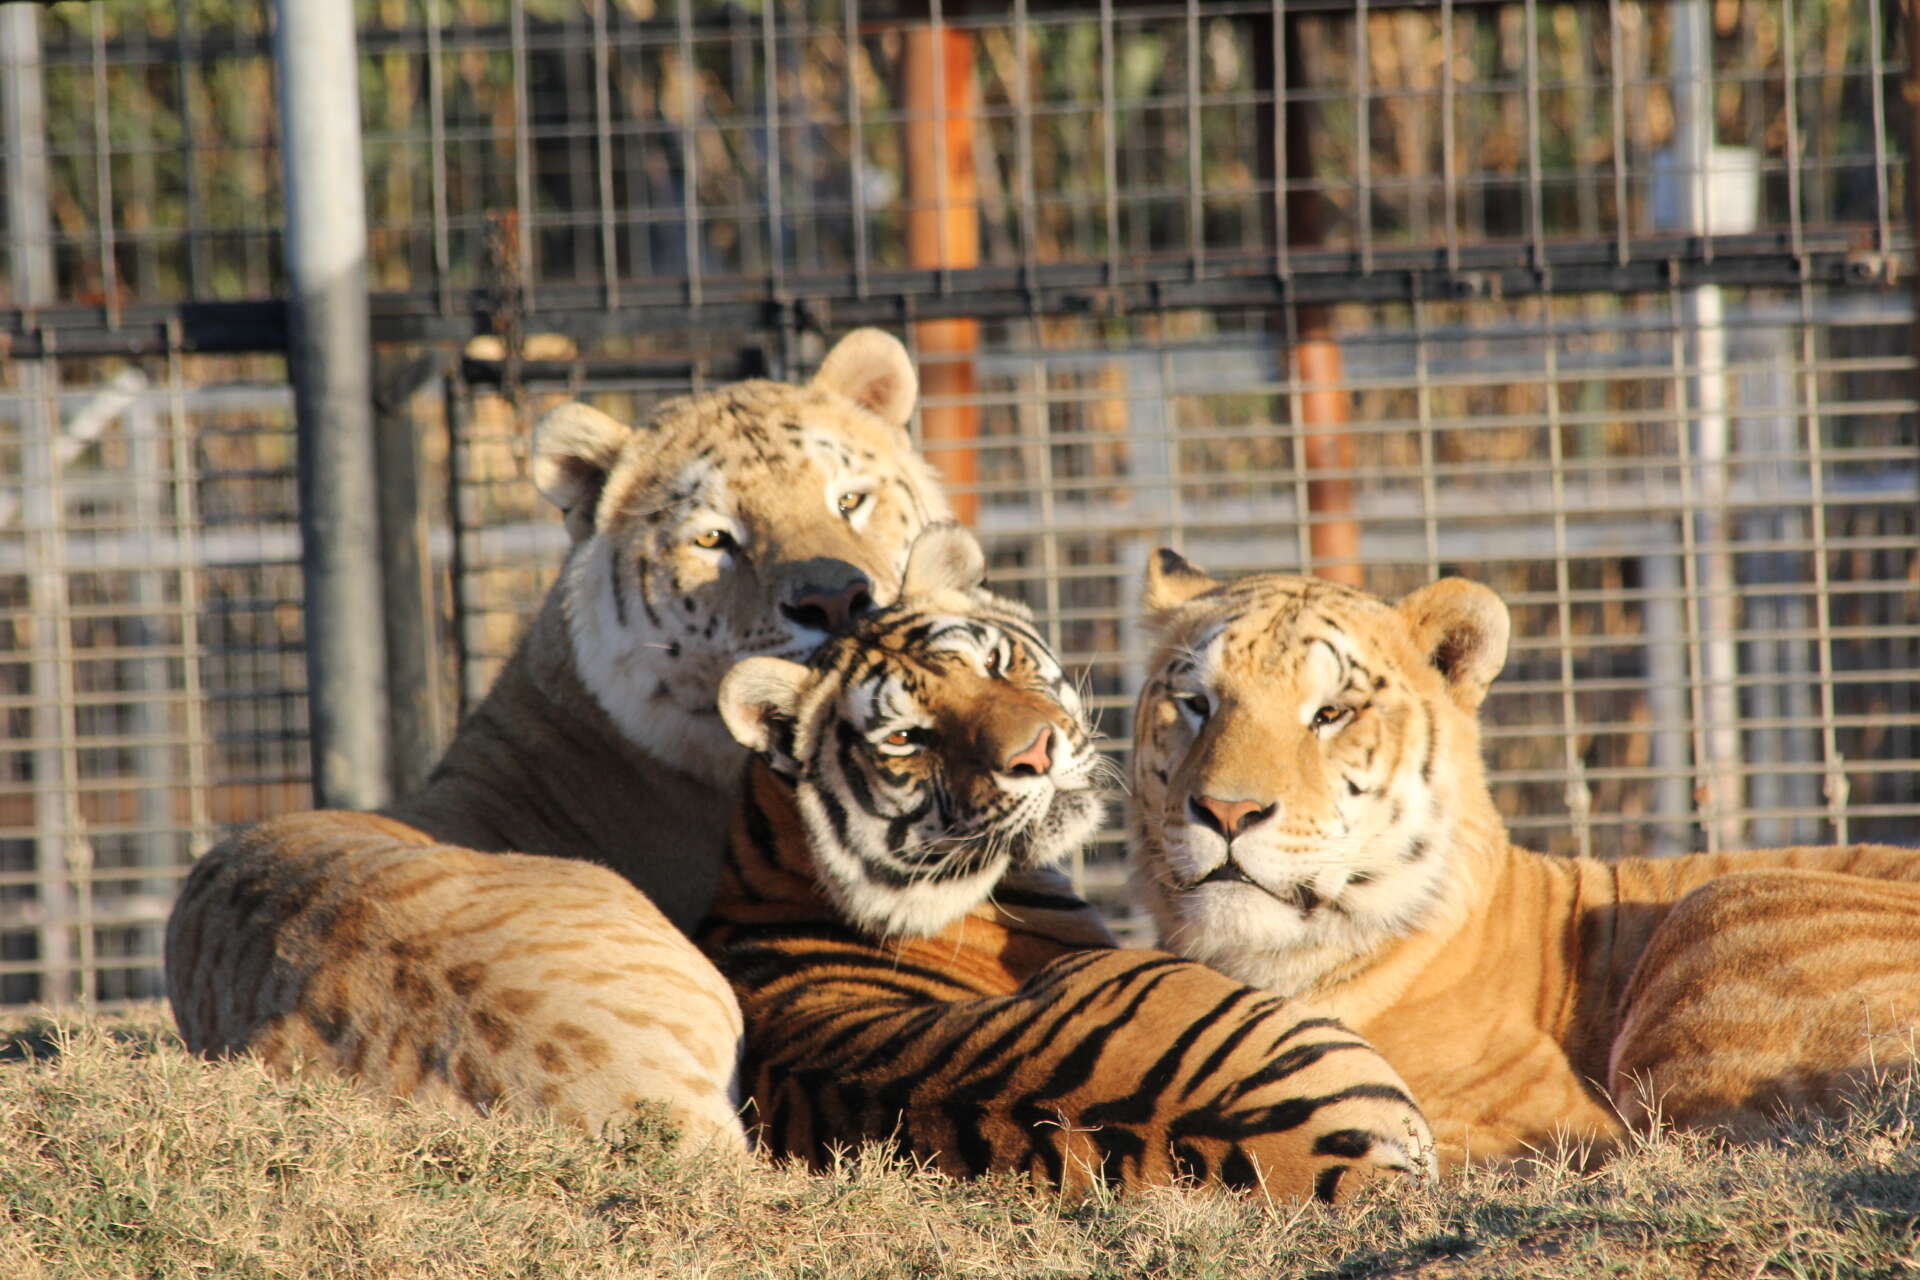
(713, 540)
(851, 502)
(1328, 715)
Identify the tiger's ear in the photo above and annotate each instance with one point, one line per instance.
(1462, 628)
(1172, 580)
(872, 369)
(574, 447)
(759, 700)
(945, 557)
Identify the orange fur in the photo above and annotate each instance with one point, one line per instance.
(1524, 997)
(449, 976)
(1018, 1039)
(889, 998)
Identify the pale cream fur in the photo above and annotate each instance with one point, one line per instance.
(746, 520)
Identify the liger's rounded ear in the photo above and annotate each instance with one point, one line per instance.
(759, 699)
(944, 557)
(575, 447)
(872, 369)
(1462, 629)
(1172, 580)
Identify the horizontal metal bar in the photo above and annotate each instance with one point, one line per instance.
(835, 299)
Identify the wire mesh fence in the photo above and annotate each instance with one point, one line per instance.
(1712, 649)
(152, 680)
(582, 157)
(1602, 303)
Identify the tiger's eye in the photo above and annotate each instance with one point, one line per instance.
(1196, 704)
(713, 540)
(1328, 715)
(851, 502)
(899, 738)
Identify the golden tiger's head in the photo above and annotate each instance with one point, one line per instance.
(932, 746)
(1307, 764)
(754, 519)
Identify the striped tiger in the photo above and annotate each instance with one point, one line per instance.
(1311, 815)
(913, 972)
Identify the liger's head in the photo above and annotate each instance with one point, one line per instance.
(757, 518)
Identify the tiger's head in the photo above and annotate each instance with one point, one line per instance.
(754, 519)
(1307, 775)
(932, 747)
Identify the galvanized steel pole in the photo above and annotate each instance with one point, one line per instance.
(57, 838)
(330, 360)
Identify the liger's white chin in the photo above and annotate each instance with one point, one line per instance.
(622, 663)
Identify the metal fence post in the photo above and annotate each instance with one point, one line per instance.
(413, 703)
(330, 361)
(1910, 94)
(30, 259)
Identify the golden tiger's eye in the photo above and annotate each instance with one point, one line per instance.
(1328, 715)
(899, 738)
(851, 502)
(713, 540)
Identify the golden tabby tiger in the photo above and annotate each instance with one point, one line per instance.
(1311, 815)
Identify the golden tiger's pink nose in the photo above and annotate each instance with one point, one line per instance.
(1033, 759)
(830, 609)
(1228, 817)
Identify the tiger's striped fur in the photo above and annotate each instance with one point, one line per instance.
(1311, 815)
(889, 998)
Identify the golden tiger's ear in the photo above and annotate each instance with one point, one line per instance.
(574, 447)
(1462, 627)
(871, 368)
(758, 701)
(1172, 580)
(944, 557)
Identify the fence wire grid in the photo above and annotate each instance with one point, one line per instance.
(1605, 304)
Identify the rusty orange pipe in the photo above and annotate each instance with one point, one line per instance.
(1325, 410)
(943, 230)
(1324, 406)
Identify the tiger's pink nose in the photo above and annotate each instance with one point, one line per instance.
(1227, 817)
(1032, 760)
(830, 609)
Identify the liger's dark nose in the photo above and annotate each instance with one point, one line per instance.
(830, 609)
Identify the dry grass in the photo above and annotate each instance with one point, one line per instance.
(126, 1157)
